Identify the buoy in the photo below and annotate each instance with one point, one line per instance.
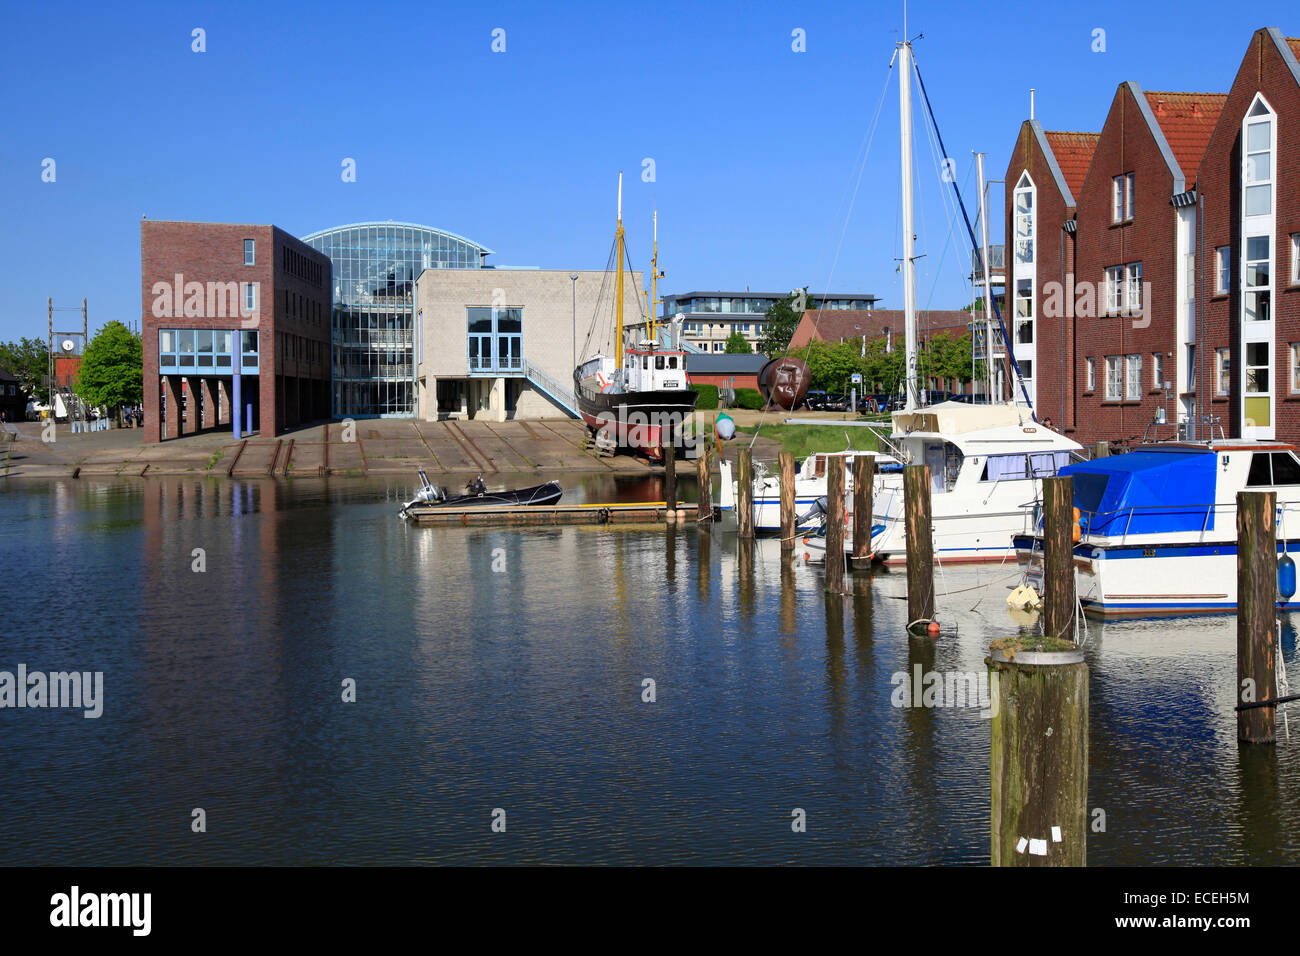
(725, 427)
(1078, 530)
(933, 628)
(1016, 597)
(1286, 577)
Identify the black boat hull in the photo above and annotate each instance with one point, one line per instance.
(547, 494)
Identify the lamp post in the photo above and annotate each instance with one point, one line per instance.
(573, 284)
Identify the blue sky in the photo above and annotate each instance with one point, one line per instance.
(755, 146)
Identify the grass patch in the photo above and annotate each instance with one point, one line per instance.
(1031, 642)
(215, 457)
(805, 440)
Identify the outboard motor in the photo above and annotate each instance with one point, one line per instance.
(476, 487)
(818, 508)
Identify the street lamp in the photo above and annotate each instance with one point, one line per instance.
(573, 279)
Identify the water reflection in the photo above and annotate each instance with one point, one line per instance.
(499, 667)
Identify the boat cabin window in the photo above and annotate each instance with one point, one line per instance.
(1277, 468)
(672, 361)
(645, 362)
(659, 362)
(1020, 467)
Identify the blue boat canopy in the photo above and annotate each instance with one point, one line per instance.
(1145, 492)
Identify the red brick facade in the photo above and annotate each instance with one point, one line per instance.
(1269, 68)
(1183, 152)
(292, 320)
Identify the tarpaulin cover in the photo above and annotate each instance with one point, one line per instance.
(1145, 492)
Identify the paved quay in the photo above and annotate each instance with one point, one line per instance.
(379, 447)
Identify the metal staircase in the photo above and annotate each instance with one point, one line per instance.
(548, 386)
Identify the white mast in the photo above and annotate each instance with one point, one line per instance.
(988, 284)
(909, 267)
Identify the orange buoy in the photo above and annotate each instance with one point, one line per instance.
(932, 628)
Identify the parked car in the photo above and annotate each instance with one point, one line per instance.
(836, 403)
(815, 400)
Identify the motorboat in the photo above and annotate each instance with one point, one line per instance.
(810, 485)
(987, 463)
(478, 496)
(1158, 525)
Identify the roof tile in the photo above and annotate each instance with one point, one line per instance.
(1073, 152)
(1187, 120)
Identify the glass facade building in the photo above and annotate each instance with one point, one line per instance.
(375, 265)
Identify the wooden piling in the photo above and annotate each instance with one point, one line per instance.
(1256, 615)
(864, 480)
(1038, 757)
(670, 480)
(787, 501)
(835, 523)
(704, 509)
(1101, 450)
(920, 546)
(1058, 558)
(745, 493)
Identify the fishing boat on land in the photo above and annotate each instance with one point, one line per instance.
(477, 495)
(1158, 526)
(638, 397)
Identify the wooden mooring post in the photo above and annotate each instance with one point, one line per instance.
(745, 493)
(704, 509)
(787, 500)
(835, 523)
(1101, 449)
(1038, 757)
(1256, 616)
(920, 546)
(864, 480)
(670, 480)
(1058, 558)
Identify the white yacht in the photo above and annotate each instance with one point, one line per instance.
(986, 463)
(1158, 526)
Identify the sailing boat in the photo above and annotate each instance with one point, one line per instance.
(985, 460)
(638, 396)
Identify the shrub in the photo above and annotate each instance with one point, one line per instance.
(708, 400)
(750, 398)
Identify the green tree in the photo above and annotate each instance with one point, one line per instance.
(28, 360)
(736, 344)
(783, 318)
(832, 364)
(947, 356)
(112, 368)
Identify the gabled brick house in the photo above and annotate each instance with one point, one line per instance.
(1047, 169)
(1250, 268)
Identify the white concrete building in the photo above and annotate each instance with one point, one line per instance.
(503, 343)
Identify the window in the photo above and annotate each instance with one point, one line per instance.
(1191, 368)
(1222, 269)
(1278, 468)
(1133, 383)
(1222, 370)
(1114, 289)
(1259, 160)
(1024, 203)
(1092, 374)
(1255, 280)
(1133, 280)
(1024, 311)
(1114, 380)
(1026, 367)
(1257, 368)
(1122, 198)
(250, 252)
(1158, 370)
(1020, 467)
(1295, 258)
(1295, 366)
(250, 296)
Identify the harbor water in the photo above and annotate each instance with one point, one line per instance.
(509, 670)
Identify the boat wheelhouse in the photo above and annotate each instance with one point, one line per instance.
(1158, 526)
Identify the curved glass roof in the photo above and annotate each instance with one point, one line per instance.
(376, 263)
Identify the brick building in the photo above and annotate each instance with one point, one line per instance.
(1152, 243)
(1250, 277)
(234, 315)
(1044, 176)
